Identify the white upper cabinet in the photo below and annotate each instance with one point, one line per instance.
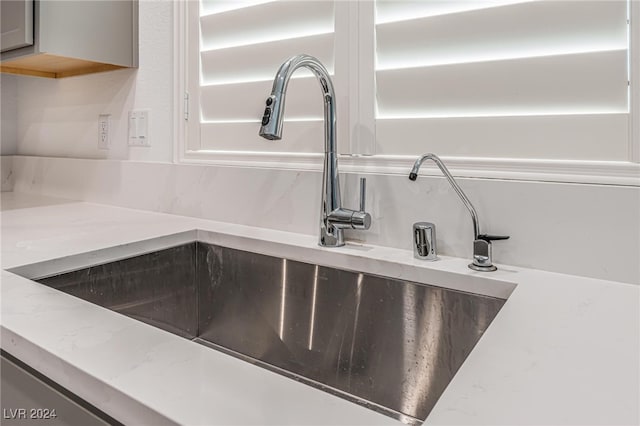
(65, 38)
(17, 24)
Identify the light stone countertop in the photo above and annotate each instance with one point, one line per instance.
(563, 349)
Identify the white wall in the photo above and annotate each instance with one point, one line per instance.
(9, 114)
(59, 117)
(589, 230)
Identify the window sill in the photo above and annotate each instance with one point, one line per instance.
(617, 173)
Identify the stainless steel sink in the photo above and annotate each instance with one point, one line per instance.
(390, 345)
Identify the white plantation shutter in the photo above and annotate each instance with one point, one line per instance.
(242, 44)
(503, 79)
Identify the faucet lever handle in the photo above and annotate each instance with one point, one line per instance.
(489, 238)
(363, 193)
(361, 219)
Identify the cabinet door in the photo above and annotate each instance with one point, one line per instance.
(28, 401)
(17, 24)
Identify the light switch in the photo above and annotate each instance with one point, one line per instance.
(133, 128)
(139, 128)
(142, 125)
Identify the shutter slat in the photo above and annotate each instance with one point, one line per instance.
(209, 7)
(248, 63)
(402, 10)
(580, 83)
(266, 22)
(525, 29)
(297, 136)
(573, 137)
(246, 101)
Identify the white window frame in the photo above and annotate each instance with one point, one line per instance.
(634, 75)
(356, 120)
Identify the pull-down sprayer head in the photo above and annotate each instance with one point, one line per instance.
(272, 119)
(274, 111)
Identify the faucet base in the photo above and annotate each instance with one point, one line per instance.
(482, 268)
(331, 245)
(328, 239)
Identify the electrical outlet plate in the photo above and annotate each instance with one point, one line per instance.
(104, 131)
(139, 128)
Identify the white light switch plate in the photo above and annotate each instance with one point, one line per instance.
(104, 131)
(139, 128)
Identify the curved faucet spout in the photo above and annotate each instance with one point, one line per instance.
(333, 218)
(414, 175)
(274, 112)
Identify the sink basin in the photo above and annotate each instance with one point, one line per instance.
(390, 345)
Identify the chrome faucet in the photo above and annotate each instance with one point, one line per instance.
(333, 218)
(481, 242)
